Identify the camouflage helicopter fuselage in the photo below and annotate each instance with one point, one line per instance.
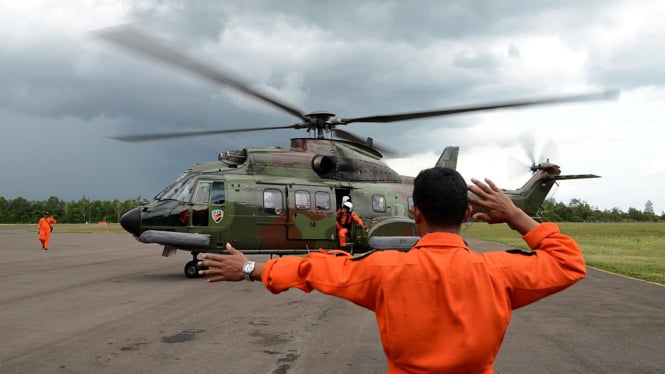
(276, 200)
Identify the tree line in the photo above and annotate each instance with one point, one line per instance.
(580, 211)
(20, 210)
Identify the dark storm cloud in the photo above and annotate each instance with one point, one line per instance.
(352, 58)
(382, 25)
(367, 78)
(392, 21)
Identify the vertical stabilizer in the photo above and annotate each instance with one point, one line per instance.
(448, 158)
(531, 195)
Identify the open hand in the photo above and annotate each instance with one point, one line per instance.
(498, 207)
(223, 267)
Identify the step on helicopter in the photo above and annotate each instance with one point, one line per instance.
(281, 201)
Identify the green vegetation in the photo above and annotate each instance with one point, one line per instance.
(632, 249)
(20, 210)
(580, 211)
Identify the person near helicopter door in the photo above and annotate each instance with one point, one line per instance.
(345, 217)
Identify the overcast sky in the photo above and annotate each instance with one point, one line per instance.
(63, 92)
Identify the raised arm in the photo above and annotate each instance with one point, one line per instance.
(557, 261)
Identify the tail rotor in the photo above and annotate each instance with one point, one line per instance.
(517, 168)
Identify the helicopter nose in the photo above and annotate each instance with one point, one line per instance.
(131, 221)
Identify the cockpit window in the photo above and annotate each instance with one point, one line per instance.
(180, 190)
(202, 195)
(166, 189)
(218, 195)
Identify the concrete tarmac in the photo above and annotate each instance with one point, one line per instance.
(106, 303)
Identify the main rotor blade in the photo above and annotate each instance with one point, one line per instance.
(172, 135)
(604, 95)
(387, 151)
(141, 42)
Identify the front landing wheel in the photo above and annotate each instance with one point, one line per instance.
(192, 269)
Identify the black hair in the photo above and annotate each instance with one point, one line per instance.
(441, 194)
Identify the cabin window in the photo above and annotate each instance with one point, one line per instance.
(322, 200)
(272, 201)
(409, 202)
(302, 200)
(379, 203)
(218, 195)
(202, 195)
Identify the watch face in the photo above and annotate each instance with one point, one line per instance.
(247, 268)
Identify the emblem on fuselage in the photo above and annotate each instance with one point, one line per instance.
(217, 215)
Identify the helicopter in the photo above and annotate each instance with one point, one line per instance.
(280, 201)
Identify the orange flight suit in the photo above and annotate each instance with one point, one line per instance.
(440, 307)
(44, 227)
(343, 223)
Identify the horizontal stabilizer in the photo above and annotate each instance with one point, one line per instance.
(576, 176)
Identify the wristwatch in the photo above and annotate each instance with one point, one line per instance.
(247, 269)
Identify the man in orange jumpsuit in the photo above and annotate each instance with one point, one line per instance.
(440, 307)
(45, 229)
(345, 217)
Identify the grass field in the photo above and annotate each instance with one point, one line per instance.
(632, 249)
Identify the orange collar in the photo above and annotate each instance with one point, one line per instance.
(440, 239)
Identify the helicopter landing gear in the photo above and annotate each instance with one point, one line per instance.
(192, 268)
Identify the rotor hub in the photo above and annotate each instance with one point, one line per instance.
(320, 114)
(319, 120)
